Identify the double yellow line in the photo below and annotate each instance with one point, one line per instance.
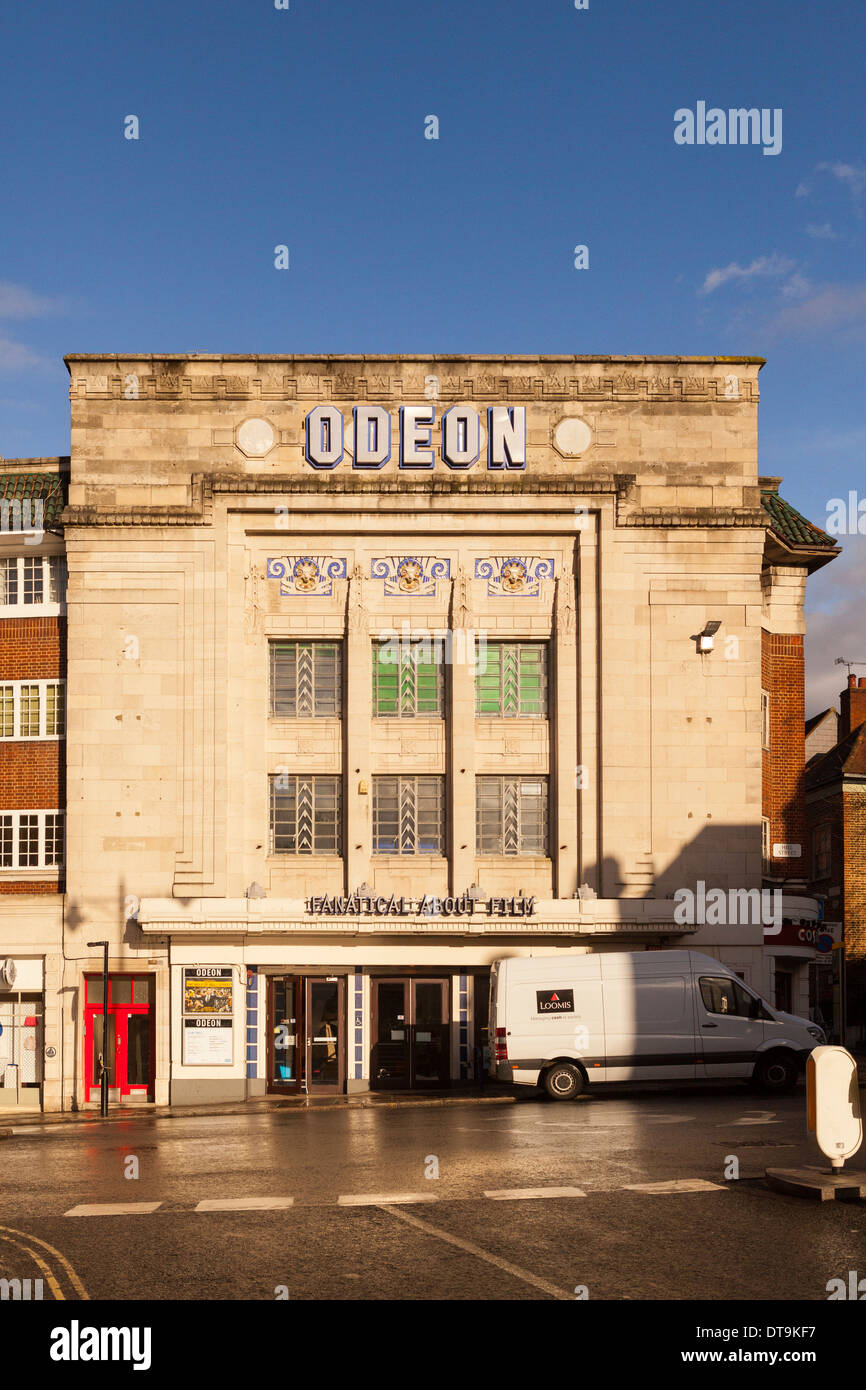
(8, 1234)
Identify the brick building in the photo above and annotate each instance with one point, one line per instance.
(32, 776)
(836, 821)
(795, 548)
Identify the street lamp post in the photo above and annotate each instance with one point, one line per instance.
(103, 1079)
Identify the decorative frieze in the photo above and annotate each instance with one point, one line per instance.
(412, 575)
(309, 575)
(514, 576)
(308, 386)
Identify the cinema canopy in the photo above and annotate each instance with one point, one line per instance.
(311, 833)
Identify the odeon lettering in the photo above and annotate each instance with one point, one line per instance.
(459, 427)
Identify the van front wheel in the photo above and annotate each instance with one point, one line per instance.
(562, 1081)
(776, 1073)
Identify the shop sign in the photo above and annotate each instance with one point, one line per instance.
(461, 437)
(793, 934)
(427, 906)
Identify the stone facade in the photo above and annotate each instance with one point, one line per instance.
(199, 532)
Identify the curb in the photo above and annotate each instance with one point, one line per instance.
(46, 1125)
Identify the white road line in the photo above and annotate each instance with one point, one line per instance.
(507, 1194)
(115, 1209)
(245, 1204)
(384, 1199)
(676, 1185)
(505, 1265)
(755, 1117)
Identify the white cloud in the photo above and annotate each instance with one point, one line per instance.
(798, 287)
(853, 177)
(763, 265)
(802, 190)
(834, 624)
(838, 307)
(18, 302)
(16, 357)
(824, 232)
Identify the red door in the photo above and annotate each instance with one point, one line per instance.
(130, 1036)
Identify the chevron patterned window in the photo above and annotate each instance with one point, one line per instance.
(306, 815)
(511, 815)
(513, 683)
(408, 815)
(305, 680)
(407, 679)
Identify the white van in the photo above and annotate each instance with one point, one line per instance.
(569, 1021)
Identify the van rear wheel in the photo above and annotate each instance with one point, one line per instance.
(562, 1081)
(776, 1073)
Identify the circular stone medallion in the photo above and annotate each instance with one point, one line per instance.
(255, 437)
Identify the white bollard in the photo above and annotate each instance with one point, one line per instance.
(833, 1103)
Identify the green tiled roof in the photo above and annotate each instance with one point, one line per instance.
(787, 522)
(49, 487)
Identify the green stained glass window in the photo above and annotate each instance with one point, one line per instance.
(512, 681)
(407, 679)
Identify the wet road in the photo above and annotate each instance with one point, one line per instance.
(430, 1203)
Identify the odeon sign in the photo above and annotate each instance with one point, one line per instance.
(460, 427)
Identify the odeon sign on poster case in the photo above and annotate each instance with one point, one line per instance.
(208, 1022)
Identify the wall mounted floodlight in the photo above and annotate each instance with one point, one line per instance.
(704, 639)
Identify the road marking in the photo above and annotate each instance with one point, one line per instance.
(115, 1209)
(467, 1245)
(383, 1199)
(70, 1272)
(506, 1194)
(56, 1291)
(676, 1185)
(761, 1117)
(245, 1204)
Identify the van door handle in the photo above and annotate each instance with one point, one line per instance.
(709, 1025)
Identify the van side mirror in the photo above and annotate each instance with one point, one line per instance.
(757, 1009)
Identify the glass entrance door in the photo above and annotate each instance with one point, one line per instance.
(284, 1043)
(411, 1048)
(306, 1050)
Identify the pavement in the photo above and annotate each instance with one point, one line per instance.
(620, 1196)
(494, 1094)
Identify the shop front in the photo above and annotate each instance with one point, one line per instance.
(271, 999)
(792, 948)
(120, 1040)
(22, 1040)
(306, 1035)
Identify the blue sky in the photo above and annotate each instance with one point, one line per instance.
(305, 127)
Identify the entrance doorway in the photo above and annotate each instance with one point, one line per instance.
(127, 1051)
(306, 1043)
(411, 1034)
